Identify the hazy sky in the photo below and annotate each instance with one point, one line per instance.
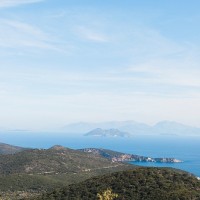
(65, 61)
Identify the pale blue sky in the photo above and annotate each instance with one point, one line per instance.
(92, 60)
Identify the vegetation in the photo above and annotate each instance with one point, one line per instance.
(80, 175)
(124, 157)
(53, 161)
(106, 153)
(107, 195)
(137, 184)
(38, 170)
(10, 149)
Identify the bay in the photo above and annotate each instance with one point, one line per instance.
(185, 148)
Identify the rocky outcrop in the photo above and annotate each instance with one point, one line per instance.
(122, 157)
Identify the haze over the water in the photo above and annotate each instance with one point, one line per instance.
(75, 60)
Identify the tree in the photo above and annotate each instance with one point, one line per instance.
(107, 195)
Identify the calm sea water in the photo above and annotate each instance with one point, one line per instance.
(184, 148)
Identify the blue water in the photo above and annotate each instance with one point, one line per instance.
(184, 148)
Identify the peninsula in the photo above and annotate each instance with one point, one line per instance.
(123, 157)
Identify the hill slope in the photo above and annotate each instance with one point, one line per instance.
(10, 149)
(137, 184)
(54, 160)
(37, 170)
(124, 157)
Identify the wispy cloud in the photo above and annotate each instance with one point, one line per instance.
(45, 82)
(57, 15)
(166, 71)
(25, 36)
(90, 34)
(161, 60)
(10, 3)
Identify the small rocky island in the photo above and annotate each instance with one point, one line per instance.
(123, 157)
(107, 133)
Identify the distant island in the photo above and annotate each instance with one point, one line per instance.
(123, 157)
(107, 132)
(135, 128)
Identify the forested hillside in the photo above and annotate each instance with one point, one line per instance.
(38, 170)
(137, 184)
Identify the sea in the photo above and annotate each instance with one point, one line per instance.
(185, 148)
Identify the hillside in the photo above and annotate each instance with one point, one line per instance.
(10, 149)
(54, 160)
(37, 170)
(124, 157)
(137, 184)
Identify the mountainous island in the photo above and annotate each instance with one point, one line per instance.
(107, 133)
(135, 128)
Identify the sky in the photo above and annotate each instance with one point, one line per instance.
(67, 61)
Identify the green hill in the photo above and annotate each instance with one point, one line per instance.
(36, 170)
(137, 184)
(53, 161)
(82, 175)
(10, 149)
